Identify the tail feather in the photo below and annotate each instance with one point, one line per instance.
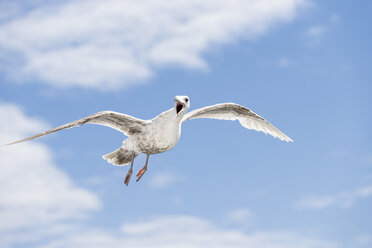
(120, 157)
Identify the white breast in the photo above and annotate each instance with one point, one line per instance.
(161, 135)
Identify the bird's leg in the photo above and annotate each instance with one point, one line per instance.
(143, 170)
(129, 174)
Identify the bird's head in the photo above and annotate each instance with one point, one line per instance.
(181, 104)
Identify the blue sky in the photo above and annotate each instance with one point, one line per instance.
(305, 66)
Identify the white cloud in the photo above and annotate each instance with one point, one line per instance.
(34, 193)
(344, 199)
(111, 44)
(184, 231)
(164, 179)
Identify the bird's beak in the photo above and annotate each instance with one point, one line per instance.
(179, 106)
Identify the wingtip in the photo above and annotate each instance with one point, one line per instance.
(13, 143)
(285, 138)
(20, 141)
(288, 139)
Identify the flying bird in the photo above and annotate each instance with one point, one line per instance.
(163, 132)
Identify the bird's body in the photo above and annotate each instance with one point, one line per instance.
(163, 132)
(161, 135)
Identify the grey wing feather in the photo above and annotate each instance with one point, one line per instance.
(232, 111)
(121, 122)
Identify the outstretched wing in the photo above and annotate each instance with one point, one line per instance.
(232, 111)
(121, 122)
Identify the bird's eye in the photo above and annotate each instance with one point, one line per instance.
(186, 100)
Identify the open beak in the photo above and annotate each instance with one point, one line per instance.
(179, 106)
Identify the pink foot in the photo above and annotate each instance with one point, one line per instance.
(140, 173)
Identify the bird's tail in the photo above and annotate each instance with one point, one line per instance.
(120, 157)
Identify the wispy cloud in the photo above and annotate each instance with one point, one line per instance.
(316, 31)
(164, 179)
(363, 240)
(335, 18)
(112, 44)
(369, 160)
(284, 62)
(344, 199)
(314, 34)
(184, 231)
(241, 215)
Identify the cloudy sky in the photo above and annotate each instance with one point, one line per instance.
(304, 65)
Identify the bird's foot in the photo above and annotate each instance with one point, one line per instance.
(140, 173)
(127, 177)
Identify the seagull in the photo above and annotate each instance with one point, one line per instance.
(163, 132)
